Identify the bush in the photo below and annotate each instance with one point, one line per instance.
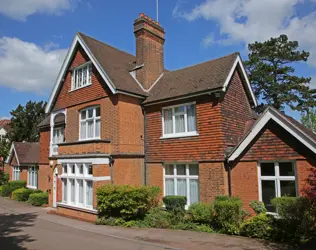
(157, 218)
(14, 185)
(175, 203)
(110, 221)
(126, 202)
(258, 207)
(192, 227)
(38, 199)
(4, 178)
(295, 222)
(5, 190)
(22, 194)
(228, 215)
(260, 226)
(201, 213)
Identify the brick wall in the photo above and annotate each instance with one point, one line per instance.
(128, 171)
(235, 111)
(209, 145)
(44, 145)
(44, 177)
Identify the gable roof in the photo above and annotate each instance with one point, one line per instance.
(208, 76)
(296, 129)
(5, 124)
(112, 64)
(25, 152)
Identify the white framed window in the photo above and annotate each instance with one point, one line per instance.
(90, 123)
(81, 76)
(179, 120)
(276, 179)
(77, 185)
(15, 173)
(182, 179)
(58, 135)
(32, 177)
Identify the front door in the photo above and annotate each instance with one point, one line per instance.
(55, 187)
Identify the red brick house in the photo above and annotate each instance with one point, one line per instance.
(116, 118)
(23, 163)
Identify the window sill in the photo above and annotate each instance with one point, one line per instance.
(82, 209)
(31, 187)
(191, 134)
(79, 88)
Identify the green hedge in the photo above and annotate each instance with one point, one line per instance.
(228, 214)
(201, 213)
(260, 226)
(4, 178)
(38, 199)
(22, 194)
(14, 185)
(175, 203)
(5, 190)
(258, 207)
(127, 202)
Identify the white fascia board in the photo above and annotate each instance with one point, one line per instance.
(258, 127)
(69, 56)
(94, 161)
(230, 75)
(12, 149)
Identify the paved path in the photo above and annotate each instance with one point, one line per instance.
(30, 228)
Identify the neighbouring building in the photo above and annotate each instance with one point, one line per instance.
(116, 118)
(24, 163)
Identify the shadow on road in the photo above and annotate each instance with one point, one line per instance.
(11, 230)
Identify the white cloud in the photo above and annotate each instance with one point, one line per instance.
(21, 9)
(26, 66)
(246, 21)
(5, 118)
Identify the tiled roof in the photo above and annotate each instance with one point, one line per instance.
(4, 123)
(27, 152)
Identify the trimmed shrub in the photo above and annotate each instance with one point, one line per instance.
(228, 215)
(258, 207)
(22, 194)
(295, 221)
(126, 202)
(260, 226)
(38, 199)
(4, 178)
(201, 213)
(157, 218)
(14, 185)
(5, 190)
(175, 203)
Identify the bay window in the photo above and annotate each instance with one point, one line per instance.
(183, 180)
(81, 76)
(77, 185)
(32, 177)
(179, 120)
(276, 179)
(16, 173)
(90, 123)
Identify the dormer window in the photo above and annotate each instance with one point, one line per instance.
(81, 76)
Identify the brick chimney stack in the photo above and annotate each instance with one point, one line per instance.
(150, 38)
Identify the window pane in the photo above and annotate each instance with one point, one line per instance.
(267, 169)
(182, 187)
(97, 128)
(194, 191)
(268, 192)
(89, 193)
(35, 184)
(83, 115)
(168, 126)
(169, 186)
(179, 109)
(89, 170)
(286, 169)
(64, 190)
(288, 188)
(90, 129)
(72, 189)
(90, 113)
(73, 169)
(191, 118)
(89, 72)
(80, 169)
(97, 112)
(83, 130)
(194, 169)
(80, 184)
(84, 79)
(181, 169)
(64, 169)
(180, 123)
(169, 169)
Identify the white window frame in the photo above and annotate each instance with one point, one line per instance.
(59, 139)
(181, 134)
(187, 177)
(277, 178)
(16, 173)
(32, 177)
(94, 118)
(88, 82)
(85, 177)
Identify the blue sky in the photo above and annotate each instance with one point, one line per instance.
(35, 34)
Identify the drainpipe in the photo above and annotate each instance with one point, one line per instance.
(229, 179)
(145, 148)
(111, 164)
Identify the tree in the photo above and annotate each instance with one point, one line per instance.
(308, 118)
(272, 75)
(24, 121)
